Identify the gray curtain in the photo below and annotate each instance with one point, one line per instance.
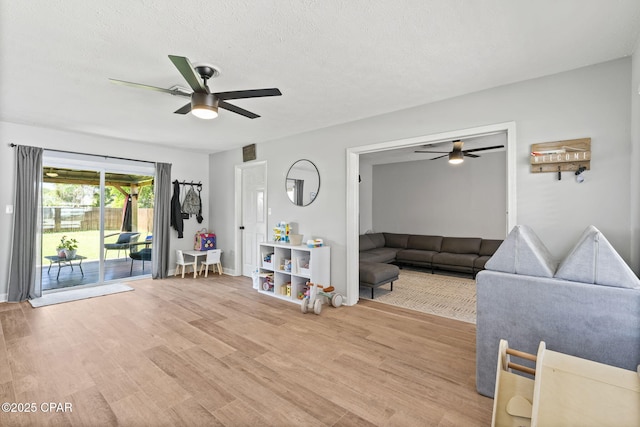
(23, 283)
(161, 221)
(299, 192)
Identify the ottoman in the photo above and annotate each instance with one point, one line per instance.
(374, 274)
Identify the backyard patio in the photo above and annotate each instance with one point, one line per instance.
(114, 269)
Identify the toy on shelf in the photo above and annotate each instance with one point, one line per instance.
(281, 232)
(267, 261)
(318, 295)
(267, 282)
(315, 243)
(302, 265)
(302, 291)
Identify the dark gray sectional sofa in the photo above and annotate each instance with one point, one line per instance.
(461, 254)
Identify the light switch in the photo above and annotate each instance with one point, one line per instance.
(9, 209)
(269, 211)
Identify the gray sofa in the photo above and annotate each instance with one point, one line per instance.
(461, 254)
(587, 307)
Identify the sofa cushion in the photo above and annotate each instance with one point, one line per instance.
(461, 245)
(592, 322)
(522, 252)
(377, 239)
(394, 240)
(451, 259)
(594, 260)
(374, 274)
(379, 255)
(480, 262)
(415, 255)
(488, 247)
(366, 243)
(425, 243)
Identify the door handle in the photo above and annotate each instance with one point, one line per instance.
(242, 227)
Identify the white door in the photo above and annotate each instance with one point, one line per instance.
(253, 224)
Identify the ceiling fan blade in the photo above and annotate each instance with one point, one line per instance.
(236, 109)
(189, 73)
(184, 109)
(422, 151)
(482, 149)
(470, 155)
(157, 89)
(439, 157)
(252, 93)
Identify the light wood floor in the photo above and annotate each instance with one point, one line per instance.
(214, 352)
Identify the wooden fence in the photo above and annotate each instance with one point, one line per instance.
(56, 219)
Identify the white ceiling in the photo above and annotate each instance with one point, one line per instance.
(335, 61)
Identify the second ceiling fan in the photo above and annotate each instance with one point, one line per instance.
(457, 155)
(204, 103)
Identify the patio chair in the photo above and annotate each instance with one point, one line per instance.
(213, 258)
(141, 255)
(123, 243)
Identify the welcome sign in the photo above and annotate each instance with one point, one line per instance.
(561, 156)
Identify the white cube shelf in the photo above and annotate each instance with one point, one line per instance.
(285, 269)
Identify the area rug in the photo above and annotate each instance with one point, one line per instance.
(78, 294)
(446, 296)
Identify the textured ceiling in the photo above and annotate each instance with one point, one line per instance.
(334, 61)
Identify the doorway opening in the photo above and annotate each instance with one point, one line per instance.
(353, 194)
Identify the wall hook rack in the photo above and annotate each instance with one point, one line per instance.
(561, 156)
(193, 184)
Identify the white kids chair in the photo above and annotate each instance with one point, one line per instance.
(180, 262)
(213, 258)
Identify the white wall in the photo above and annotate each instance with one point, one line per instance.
(186, 166)
(221, 204)
(635, 159)
(588, 102)
(436, 198)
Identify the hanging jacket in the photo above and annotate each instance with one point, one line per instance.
(176, 210)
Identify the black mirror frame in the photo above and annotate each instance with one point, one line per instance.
(287, 178)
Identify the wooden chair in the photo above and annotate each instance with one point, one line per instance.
(213, 258)
(180, 262)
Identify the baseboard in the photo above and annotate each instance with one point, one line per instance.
(170, 273)
(230, 271)
(4, 297)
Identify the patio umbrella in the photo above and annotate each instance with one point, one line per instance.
(126, 215)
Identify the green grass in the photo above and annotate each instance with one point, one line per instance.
(88, 243)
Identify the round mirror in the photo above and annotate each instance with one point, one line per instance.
(303, 182)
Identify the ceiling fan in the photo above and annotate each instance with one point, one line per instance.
(457, 155)
(204, 103)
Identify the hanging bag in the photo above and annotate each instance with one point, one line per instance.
(204, 241)
(191, 203)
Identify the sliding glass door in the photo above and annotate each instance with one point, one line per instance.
(97, 220)
(128, 222)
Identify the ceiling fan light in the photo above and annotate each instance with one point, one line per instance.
(456, 157)
(204, 105)
(205, 112)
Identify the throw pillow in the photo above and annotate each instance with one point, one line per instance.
(594, 260)
(522, 252)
